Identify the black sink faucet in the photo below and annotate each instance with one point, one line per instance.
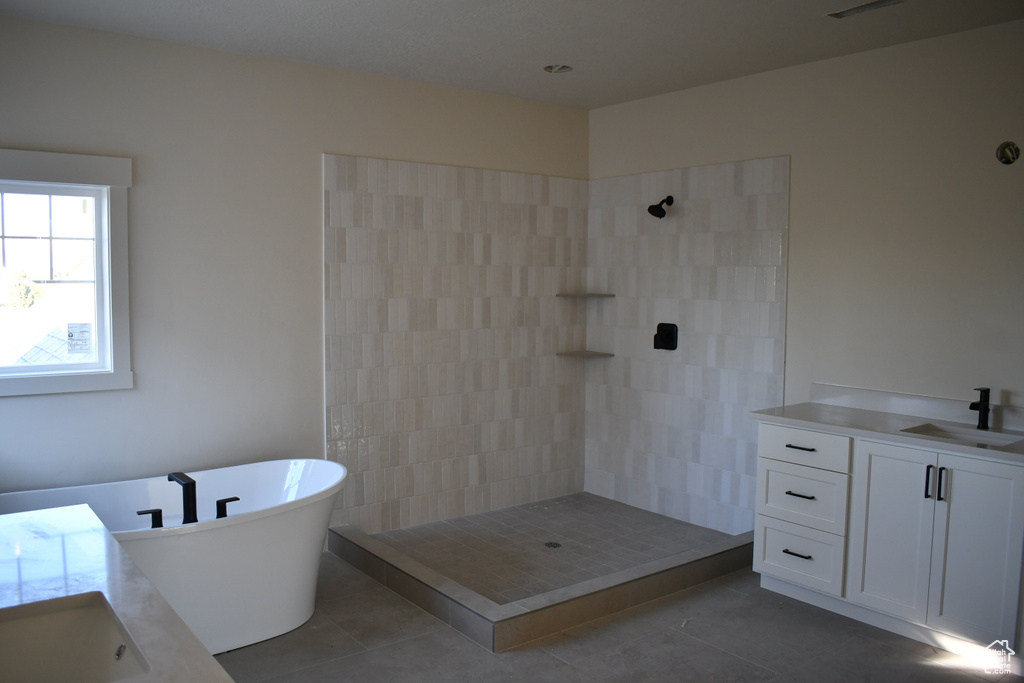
(188, 493)
(982, 406)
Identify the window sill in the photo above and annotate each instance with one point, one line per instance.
(66, 384)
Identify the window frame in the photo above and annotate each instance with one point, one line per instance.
(115, 175)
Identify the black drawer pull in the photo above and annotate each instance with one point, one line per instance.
(802, 448)
(800, 495)
(928, 481)
(938, 486)
(802, 557)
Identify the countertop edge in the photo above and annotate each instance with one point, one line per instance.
(875, 425)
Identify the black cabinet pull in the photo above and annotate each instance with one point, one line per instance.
(800, 495)
(802, 557)
(938, 487)
(802, 448)
(928, 481)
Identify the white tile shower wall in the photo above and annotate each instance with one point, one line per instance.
(668, 431)
(444, 395)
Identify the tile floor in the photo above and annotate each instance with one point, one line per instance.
(504, 555)
(728, 629)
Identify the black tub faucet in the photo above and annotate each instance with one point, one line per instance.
(982, 406)
(188, 493)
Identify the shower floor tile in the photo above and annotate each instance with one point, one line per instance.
(506, 555)
(494, 578)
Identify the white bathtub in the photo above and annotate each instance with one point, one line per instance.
(237, 580)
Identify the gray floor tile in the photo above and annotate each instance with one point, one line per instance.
(861, 660)
(670, 656)
(439, 657)
(338, 580)
(771, 630)
(318, 640)
(728, 629)
(374, 616)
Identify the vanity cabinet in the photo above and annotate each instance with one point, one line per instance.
(936, 539)
(800, 527)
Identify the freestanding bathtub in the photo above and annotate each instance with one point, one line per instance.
(235, 580)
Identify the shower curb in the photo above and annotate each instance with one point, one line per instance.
(500, 627)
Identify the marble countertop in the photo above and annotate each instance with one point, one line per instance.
(67, 551)
(876, 424)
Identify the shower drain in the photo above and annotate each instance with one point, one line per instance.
(552, 544)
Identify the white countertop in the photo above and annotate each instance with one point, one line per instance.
(875, 424)
(67, 551)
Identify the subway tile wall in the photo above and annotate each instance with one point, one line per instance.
(444, 395)
(668, 431)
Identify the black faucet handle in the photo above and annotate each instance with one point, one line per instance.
(157, 516)
(222, 506)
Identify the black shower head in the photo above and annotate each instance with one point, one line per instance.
(658, 210)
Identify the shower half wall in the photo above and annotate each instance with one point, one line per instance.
(444, 395)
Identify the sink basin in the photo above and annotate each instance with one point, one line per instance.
(76, 638)
(964, 435)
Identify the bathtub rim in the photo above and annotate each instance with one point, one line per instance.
(331, 488)
(203, 524)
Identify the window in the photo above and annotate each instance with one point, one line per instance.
(63, 273)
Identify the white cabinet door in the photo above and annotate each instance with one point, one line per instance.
(976, 557)
(890, 538)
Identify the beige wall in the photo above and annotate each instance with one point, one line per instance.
(226, 232)
(906, 262)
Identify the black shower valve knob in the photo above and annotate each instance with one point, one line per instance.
(667, 337)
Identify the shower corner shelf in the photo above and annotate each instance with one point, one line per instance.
(583, 353)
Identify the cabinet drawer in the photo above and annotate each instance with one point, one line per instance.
(798, 554)
(804, 447)
(803, 495)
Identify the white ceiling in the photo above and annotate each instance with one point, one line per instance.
(620, 50)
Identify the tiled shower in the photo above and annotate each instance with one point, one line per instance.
(668, 431)
(444, 393)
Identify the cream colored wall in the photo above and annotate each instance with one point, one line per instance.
(906, 261)
(225, 233)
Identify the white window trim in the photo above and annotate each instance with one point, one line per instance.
(83, 169)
